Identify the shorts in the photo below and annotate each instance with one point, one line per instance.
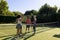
(19, 26)
(27, 26)
(34, 26)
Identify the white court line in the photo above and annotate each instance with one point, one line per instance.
(6, 34)
(3, 33)
(7, 24)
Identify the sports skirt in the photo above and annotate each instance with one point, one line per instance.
(19, 26)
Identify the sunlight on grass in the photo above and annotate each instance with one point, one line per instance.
(48, 35)
(42, 33)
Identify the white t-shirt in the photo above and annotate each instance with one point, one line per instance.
(19, 21)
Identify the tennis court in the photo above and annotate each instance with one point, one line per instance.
(8, 32)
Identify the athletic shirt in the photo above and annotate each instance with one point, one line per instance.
(19, 21)
(28, 21)
(34, 21)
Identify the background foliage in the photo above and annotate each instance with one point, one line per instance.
(45, 14)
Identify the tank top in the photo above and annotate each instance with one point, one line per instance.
(28, 21)
(19, 21)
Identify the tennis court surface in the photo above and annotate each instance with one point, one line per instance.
(8, 32)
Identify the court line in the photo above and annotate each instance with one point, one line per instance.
(3, 33)
(7, 24)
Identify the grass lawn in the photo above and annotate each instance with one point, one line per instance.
(7, 32)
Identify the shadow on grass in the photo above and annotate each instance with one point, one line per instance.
(56, 35)
(29, 36)
(12, 37)
(44, 30)
(35, 33)
(8, 37)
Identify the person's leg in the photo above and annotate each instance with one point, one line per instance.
(20, 31)
(34, 29)
(17, 31)
(28, 28)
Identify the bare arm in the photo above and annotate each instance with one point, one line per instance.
(16, 20)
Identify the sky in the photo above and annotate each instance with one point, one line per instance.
(24, 5)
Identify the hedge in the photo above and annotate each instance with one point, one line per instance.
(7, 19)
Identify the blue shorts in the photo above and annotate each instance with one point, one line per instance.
(19, 26)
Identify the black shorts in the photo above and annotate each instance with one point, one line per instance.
(34, 26)
(19, 26)
(27, 26)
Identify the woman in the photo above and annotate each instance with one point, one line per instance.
(34, 24)
(19, 25)
(33, 19)
(28, 23)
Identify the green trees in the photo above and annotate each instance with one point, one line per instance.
(17, 13)
(27, 13)
(31, 12)
(46, 9)
(3, 7)
(58, 15)
(9, 13)
(6, 16)
(47, 14)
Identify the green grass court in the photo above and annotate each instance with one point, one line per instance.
(7, 32)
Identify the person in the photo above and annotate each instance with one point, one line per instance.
(34, 23)
(28, 22)
(19, 25)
